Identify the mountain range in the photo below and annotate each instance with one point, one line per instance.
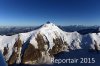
(39, 46)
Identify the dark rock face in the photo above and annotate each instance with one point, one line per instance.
(12, 58)
(5, 51)
(41, 42)
(31, 54)
(58, 47)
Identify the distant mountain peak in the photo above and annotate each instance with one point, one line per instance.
(49, 25)
(48, 22)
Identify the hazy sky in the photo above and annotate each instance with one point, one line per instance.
(61, 12)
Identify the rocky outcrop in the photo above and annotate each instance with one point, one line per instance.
(58, 47)
(16, 55)
(31, 55)
(5, 51)
(41, 42)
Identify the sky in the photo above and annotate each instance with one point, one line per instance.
(60, 12)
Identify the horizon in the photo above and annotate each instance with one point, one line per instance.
(60, 12)
(45, 23)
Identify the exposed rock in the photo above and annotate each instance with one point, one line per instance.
(13, 58)
(5, 51)
(31, 54)
(58, 47)
(16, 52)
(41, 42)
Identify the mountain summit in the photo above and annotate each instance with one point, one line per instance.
(40, 45)
(50, 26)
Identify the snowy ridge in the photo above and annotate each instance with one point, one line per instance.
(51, 34)
(7, 41)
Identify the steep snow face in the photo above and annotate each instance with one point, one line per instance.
(73, 39)
(25, 36)
(95, 40)
(7, 42)
(91, 41)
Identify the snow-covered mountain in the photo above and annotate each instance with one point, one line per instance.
(40, 45)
